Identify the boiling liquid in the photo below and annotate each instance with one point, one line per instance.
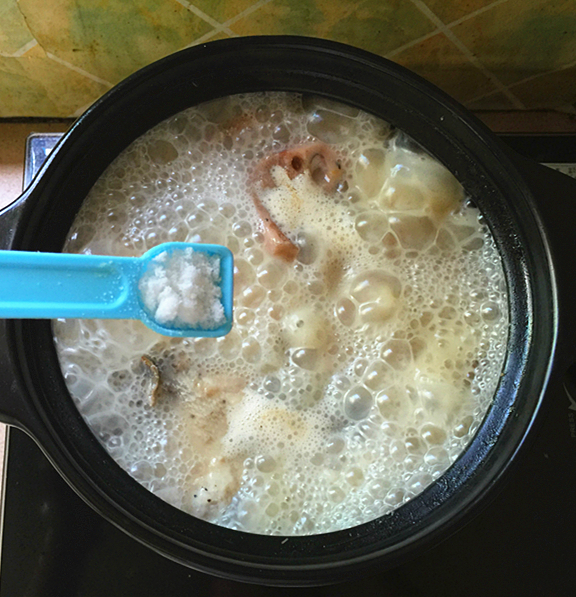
(353, 377)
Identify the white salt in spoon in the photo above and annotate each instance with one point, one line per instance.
(171, 288)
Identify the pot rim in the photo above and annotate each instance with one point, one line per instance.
(460, 141)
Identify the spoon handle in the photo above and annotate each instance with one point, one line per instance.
(36, 285)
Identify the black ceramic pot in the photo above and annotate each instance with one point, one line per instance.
(529, 209)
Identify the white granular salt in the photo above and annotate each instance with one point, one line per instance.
(181, 289)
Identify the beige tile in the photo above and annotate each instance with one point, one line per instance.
(516, 40)
(14, 33)
(372, 25)
(439, 61)
(35, 85)
(112, 38)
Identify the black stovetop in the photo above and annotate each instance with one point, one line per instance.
(522, 543)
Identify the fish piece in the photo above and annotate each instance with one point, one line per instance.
(214, 385)
(206, 410)
(204, 414)
(214, 490)
(156, 380)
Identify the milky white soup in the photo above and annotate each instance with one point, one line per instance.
(370, 320)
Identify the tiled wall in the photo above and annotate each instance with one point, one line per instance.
(58, 56)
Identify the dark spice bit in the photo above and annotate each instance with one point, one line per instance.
(155, 372)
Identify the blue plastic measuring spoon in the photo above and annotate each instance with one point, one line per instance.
(53, 285)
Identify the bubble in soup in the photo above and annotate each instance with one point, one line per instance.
(362, 359)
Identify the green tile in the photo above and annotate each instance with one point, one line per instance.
(439, 61)
(516, 40)
(13, 31)
(449, 11)
(34, 85)
(112, 38)
(377, 26)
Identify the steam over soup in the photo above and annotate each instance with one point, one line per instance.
(370, 317)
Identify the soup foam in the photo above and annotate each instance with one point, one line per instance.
(354, 375)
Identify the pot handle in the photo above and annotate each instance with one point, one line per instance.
(555, 197)
(14, 408)
(9, 218)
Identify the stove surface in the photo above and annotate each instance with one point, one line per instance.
(522, 543)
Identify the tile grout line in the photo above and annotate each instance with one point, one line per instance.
(473, 60)
(484, 95)
(414, 42)
(20, 51)
(526, 80)
(31, 44)
(205, 37)
(224, 26)
(475, 13)
(246, 12)
(79, 70)
(205, 17)
(555, 70)
(463, 19)
(217, 29)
